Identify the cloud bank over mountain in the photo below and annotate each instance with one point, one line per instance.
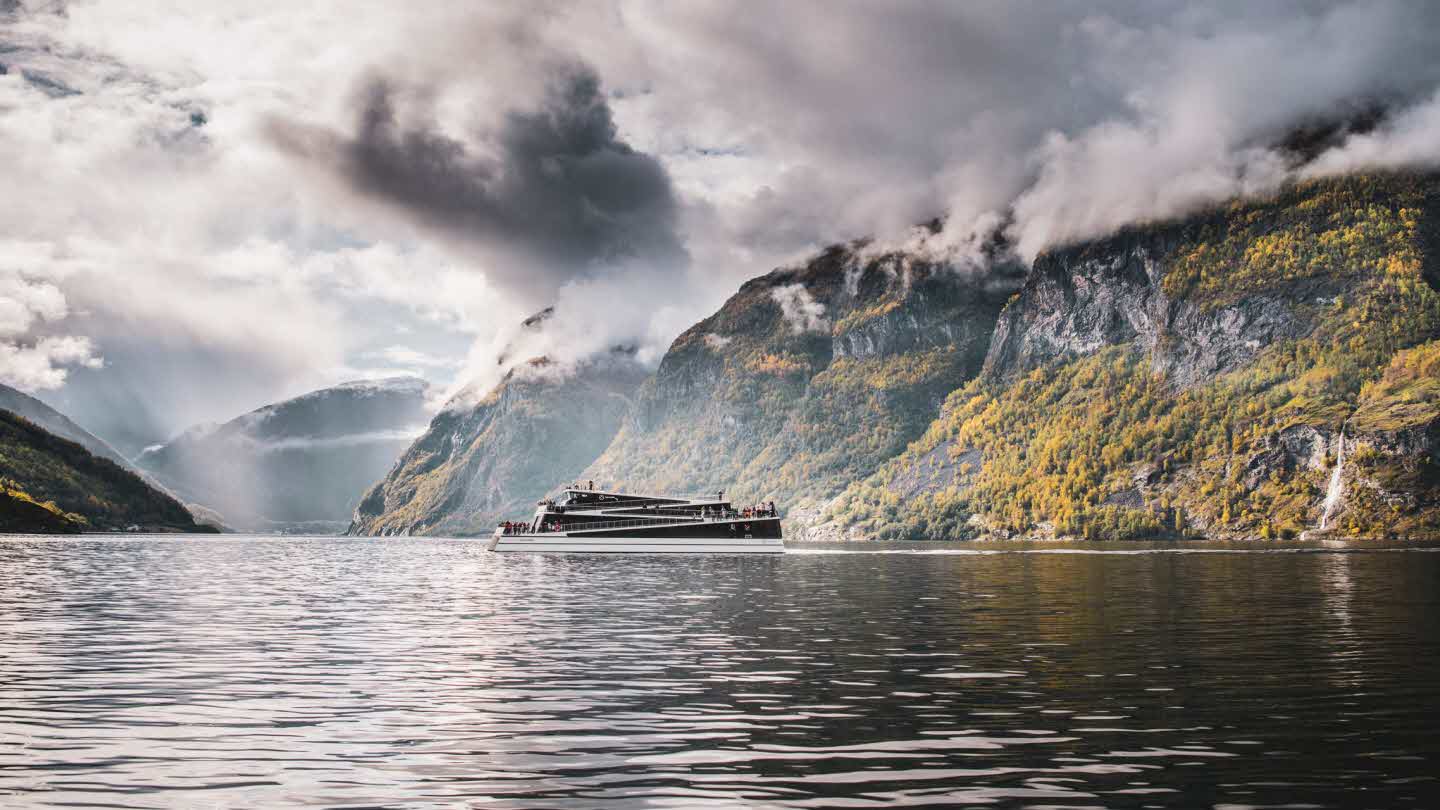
(1060, 121)
(230, 206)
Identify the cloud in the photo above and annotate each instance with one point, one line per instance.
(406, 356)
(549, 195)
(346, 440)
(23, 301)
(180, 244)
(27, 361)
(800, 310)
(42, 365)
(1054, 122)
(1408, 140)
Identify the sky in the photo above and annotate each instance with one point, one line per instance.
(210, 206)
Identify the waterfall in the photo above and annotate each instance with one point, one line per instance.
(1336, 490)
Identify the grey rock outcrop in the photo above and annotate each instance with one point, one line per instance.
(1079, 300)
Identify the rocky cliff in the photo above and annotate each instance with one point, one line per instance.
(300, 464)
(1263, 369)
(808, 378)
(491, 458)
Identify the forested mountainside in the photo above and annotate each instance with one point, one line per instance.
(302, 463)
(22, 404)
(1263, 369)
(808, 378)
(489, 460)
(50, 484)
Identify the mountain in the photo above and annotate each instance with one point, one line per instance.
(1267, 368)
(51, 484)
(809, 377)
(57, 423)
(485, 460)
(300, 464)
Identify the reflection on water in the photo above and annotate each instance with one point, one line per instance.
(244, 672)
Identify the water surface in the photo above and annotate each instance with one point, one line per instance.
(250, 672)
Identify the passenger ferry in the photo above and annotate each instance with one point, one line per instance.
(582, 519)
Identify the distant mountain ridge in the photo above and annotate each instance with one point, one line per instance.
(297, 464)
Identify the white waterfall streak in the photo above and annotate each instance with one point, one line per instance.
(1336, 490)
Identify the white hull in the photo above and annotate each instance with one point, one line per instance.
(561, 543)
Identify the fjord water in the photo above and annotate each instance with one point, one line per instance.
(255, 672)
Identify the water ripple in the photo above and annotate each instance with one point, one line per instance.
(244, 672)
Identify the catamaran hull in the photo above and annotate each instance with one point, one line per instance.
(637, 545)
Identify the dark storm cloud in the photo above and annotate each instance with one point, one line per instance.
(552, 192)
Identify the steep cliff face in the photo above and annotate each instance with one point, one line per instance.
(807, 378)
(299, 464)
(1078, 301)
(1262, 369)
(489, 460)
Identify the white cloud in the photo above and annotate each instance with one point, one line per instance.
(800, 309)
(1055, 122)
(23, 301)
(347, 440)
(42, 365)
(32, 362)
(1411, 139)
(406, 356)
